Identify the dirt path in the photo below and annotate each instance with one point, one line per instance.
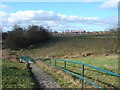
(44, 80)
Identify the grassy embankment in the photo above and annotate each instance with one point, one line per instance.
(76, 46)
(101, 51)
(15, 74)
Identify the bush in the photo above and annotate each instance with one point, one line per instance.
(4, 35)
(37, 34)
(21, 38)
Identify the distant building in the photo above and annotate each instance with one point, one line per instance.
(102, 32)
(78, 32)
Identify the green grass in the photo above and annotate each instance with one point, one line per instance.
(16, 75)
(71, 46)
(109, 63)
(65, 81)
(105, 62)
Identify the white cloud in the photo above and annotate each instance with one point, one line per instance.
(56, 21)
(3, 14)
(3, 17)
(4, 7)
(110, 20)
(109, 4)
(46, 16)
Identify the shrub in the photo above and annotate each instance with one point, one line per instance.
(21, 38)
(37, 34)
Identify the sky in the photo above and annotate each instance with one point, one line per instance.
(88, 15)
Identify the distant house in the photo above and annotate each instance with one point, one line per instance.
(78, 32)
(103, 32)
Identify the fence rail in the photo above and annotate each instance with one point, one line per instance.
(53, 60)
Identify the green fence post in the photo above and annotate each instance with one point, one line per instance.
(82, 76)
(65, 66)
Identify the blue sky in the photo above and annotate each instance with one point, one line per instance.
(69, 8)
(89, 16)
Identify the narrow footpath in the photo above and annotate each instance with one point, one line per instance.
(44, 80)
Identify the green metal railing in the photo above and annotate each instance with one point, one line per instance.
(45, 60)
(27, 59)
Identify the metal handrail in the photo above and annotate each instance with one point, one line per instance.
(115, 74)
(83, 64)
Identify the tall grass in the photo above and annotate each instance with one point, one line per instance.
(77, 46)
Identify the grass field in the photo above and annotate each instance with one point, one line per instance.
(103, 54)
(16, 75)
(76, 46)
(109, 63)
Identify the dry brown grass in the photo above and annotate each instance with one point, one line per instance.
(7, 54)
(64, 79)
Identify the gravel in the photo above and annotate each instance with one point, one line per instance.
(44, 80)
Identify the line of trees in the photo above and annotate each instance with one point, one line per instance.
(20, 37)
